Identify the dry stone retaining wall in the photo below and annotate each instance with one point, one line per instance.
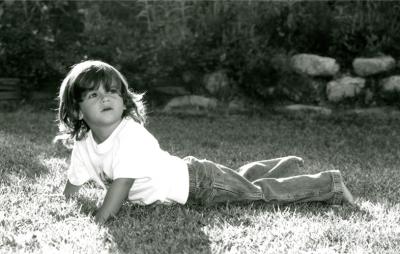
(344, 86)
(370, 79)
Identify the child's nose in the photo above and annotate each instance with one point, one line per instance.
(105, 96)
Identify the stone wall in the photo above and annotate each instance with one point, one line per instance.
(371, 79)
(371, 82)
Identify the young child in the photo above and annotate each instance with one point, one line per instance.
(112, 147)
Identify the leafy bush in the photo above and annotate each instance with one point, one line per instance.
(38, 38)
(158, 43)
(365, 28)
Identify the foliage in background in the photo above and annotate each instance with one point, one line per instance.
(158, 43)
(37, 38)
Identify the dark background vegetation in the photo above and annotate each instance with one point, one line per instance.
(156, 43)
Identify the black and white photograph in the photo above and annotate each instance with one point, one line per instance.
(200, 126)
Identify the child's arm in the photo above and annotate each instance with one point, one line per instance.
(116, 195)
(70, 189)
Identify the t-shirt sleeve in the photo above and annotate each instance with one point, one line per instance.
(77, 172)
(136, 154)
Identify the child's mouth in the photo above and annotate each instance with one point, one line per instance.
(106, 109)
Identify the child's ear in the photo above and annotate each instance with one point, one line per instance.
(80, 115)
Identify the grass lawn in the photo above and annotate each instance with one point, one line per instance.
(34, 217)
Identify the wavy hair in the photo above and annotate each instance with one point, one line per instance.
(87, 76)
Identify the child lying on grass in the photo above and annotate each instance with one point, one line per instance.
(105, 120)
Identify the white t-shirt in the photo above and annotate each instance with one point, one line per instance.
(131, 152)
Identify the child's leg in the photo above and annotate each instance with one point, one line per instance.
(274, 168)
(325, 186)
(212, 183)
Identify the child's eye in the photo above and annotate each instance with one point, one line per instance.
(114, 90)
(92, 95)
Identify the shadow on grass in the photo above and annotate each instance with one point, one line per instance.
(160, 229)
(18, 161)
(183, 229)
(154, 228)
(25, 155)
(21, 157)
(25, 139)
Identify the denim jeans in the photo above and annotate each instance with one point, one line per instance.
(276, 181)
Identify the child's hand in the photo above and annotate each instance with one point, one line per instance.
(100, 217)
(70, 190)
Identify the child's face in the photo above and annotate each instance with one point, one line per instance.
(100, 108)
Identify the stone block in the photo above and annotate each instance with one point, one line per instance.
(314, 65)
(344, 88)
(391, 84)
(190, 101)
(370, 66)
(216, 82)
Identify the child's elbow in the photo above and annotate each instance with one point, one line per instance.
(126, 182)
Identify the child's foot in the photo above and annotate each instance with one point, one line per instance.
(348, 197)
(299, 160)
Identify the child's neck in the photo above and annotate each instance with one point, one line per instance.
(100, 134)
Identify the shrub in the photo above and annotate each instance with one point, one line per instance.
(176, 42)
(37, 37)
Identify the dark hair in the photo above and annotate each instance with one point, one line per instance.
(84, 77)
